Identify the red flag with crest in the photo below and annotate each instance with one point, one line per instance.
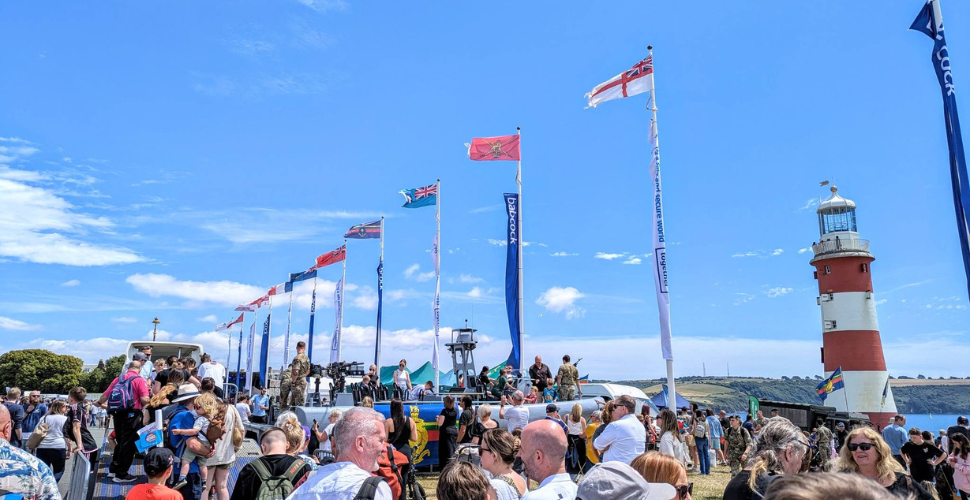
(494, 148)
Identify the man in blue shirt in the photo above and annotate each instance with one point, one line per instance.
(16, 416)
(34, 412)
(182, 418)
(895, 436)
(260, 405)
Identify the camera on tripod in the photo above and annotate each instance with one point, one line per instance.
(339, 371)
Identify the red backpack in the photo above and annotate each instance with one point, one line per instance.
(390, 470)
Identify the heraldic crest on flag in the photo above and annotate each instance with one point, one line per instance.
(420, 197)
(626, 84)
(364, 231)
(831, 384)
(501, 148)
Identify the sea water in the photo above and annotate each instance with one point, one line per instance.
(931, 422)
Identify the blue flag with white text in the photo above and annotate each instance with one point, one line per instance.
(512, 278)
(380, 304)
(313, 310)
(930, 22)
(264, 353)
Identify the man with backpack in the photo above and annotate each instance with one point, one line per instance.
(124, 399)
(272, 476)
(361, 437)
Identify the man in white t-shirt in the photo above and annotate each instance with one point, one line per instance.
(212, 369)
(518, 415)
(361, 440)
(242, 406)
(326, 436)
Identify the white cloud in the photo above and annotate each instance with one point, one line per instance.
(746, 254)
(212, 318)
(128, 319)
(325, 5)
(564, 254)
(777, 291)
(811, 203)
(366, 299)
(742, 298)
(226, 293)
(498, 243)
(803, 250)
(881, 302)
(633, 259)
(16, 325)
(558, 299)
(34, 224)
(71, 283)
(777, 251)
(412, 273)
(609, 256)
(760, 253)
(262, 225)
(467, 278)
(475, 293)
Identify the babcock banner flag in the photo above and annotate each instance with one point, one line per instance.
(659, 246)
(930, 21)
(249, 358)
(264, 353)
(512, 277)
(338, 302)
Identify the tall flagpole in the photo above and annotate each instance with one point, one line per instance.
(380, 305)
(289, 318)
(437, 288)
(343, 281)
(250, 350)
(659, 260)
(518, 180)
(229, 355)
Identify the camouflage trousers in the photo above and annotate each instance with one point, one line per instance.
(734, 457)
(567, 392)
(285, 389)
(298, 393)
(824, 457)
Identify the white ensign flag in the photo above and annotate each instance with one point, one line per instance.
(631, 82)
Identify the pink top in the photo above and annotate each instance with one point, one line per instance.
(961, 472)
(139, 388)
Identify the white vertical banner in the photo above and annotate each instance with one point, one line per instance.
(286, 338)
(338, 302)
(436, 256)
(659, 245)
(249, 356)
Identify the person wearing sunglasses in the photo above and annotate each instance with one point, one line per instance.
(402, 378)
(866, 453)
(657, 467)
(779, 450)
(498, 454)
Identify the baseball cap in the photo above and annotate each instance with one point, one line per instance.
(551, 408)
(619, 481)
(139, 356)
(840, 424)
(157, 460)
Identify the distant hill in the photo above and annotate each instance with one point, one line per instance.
(731, 393)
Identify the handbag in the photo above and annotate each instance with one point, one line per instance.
(237, 430)
(40, 432)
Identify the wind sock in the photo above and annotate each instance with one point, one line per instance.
(426, 196)
(331, 257)
(930, 22)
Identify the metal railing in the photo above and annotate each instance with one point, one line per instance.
(840, 245)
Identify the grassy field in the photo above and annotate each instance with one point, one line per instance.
(705, 487)
(917, 382)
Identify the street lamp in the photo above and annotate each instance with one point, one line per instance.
(155, 330)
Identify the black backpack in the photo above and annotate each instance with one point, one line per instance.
(368, 490)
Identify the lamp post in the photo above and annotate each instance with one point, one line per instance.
(155, 330)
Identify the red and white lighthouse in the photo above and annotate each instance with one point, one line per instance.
(850, 331)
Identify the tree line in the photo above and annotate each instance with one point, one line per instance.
(51, 373)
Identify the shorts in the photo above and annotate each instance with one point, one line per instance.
(715, 443)
(188, 457)
(221, 466)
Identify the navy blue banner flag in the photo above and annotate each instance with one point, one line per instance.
(296, 277)
(363, 231)
(930, 21)
(264, 353)
(512, 278)
(380, 304)
(313, 310)
(239, 362)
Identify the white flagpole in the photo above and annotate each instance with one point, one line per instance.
(229, 357)
(663, 299)
(343, 281)
(518, 180)
(249, 354)
(380, 304)
(289, 319)
(437, 290)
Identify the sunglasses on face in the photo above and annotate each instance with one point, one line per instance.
(683, 491)
(859, 446)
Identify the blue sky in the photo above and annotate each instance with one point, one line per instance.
(173, 160)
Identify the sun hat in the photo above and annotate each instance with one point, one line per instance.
(186, 391)
(619, 481)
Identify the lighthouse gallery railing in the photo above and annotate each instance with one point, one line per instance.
(838, 245)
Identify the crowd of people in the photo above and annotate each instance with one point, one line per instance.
(617, 453)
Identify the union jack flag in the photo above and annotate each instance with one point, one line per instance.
(425, 191)
(420, 197)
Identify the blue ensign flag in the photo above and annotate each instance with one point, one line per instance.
(296, 277)
(426, 196)
(930, 21)
(512, 277)
(264, 353)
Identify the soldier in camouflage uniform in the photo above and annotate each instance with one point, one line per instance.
(824, 447)
(285, 389)
(739, 444)
(567, 378)
(299, 371)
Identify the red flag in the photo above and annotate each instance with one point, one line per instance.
(238, 320)
(276, 290)
(494, 148)
(331, 257)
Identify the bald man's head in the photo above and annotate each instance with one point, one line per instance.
(543, 449)
(5, 424)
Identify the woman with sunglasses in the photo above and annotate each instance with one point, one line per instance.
(657, 467)
(960, 461)
(402, 379)
(778, 450)
(498, 454)
(866, 453)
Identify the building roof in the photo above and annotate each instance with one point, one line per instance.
(835, 202)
